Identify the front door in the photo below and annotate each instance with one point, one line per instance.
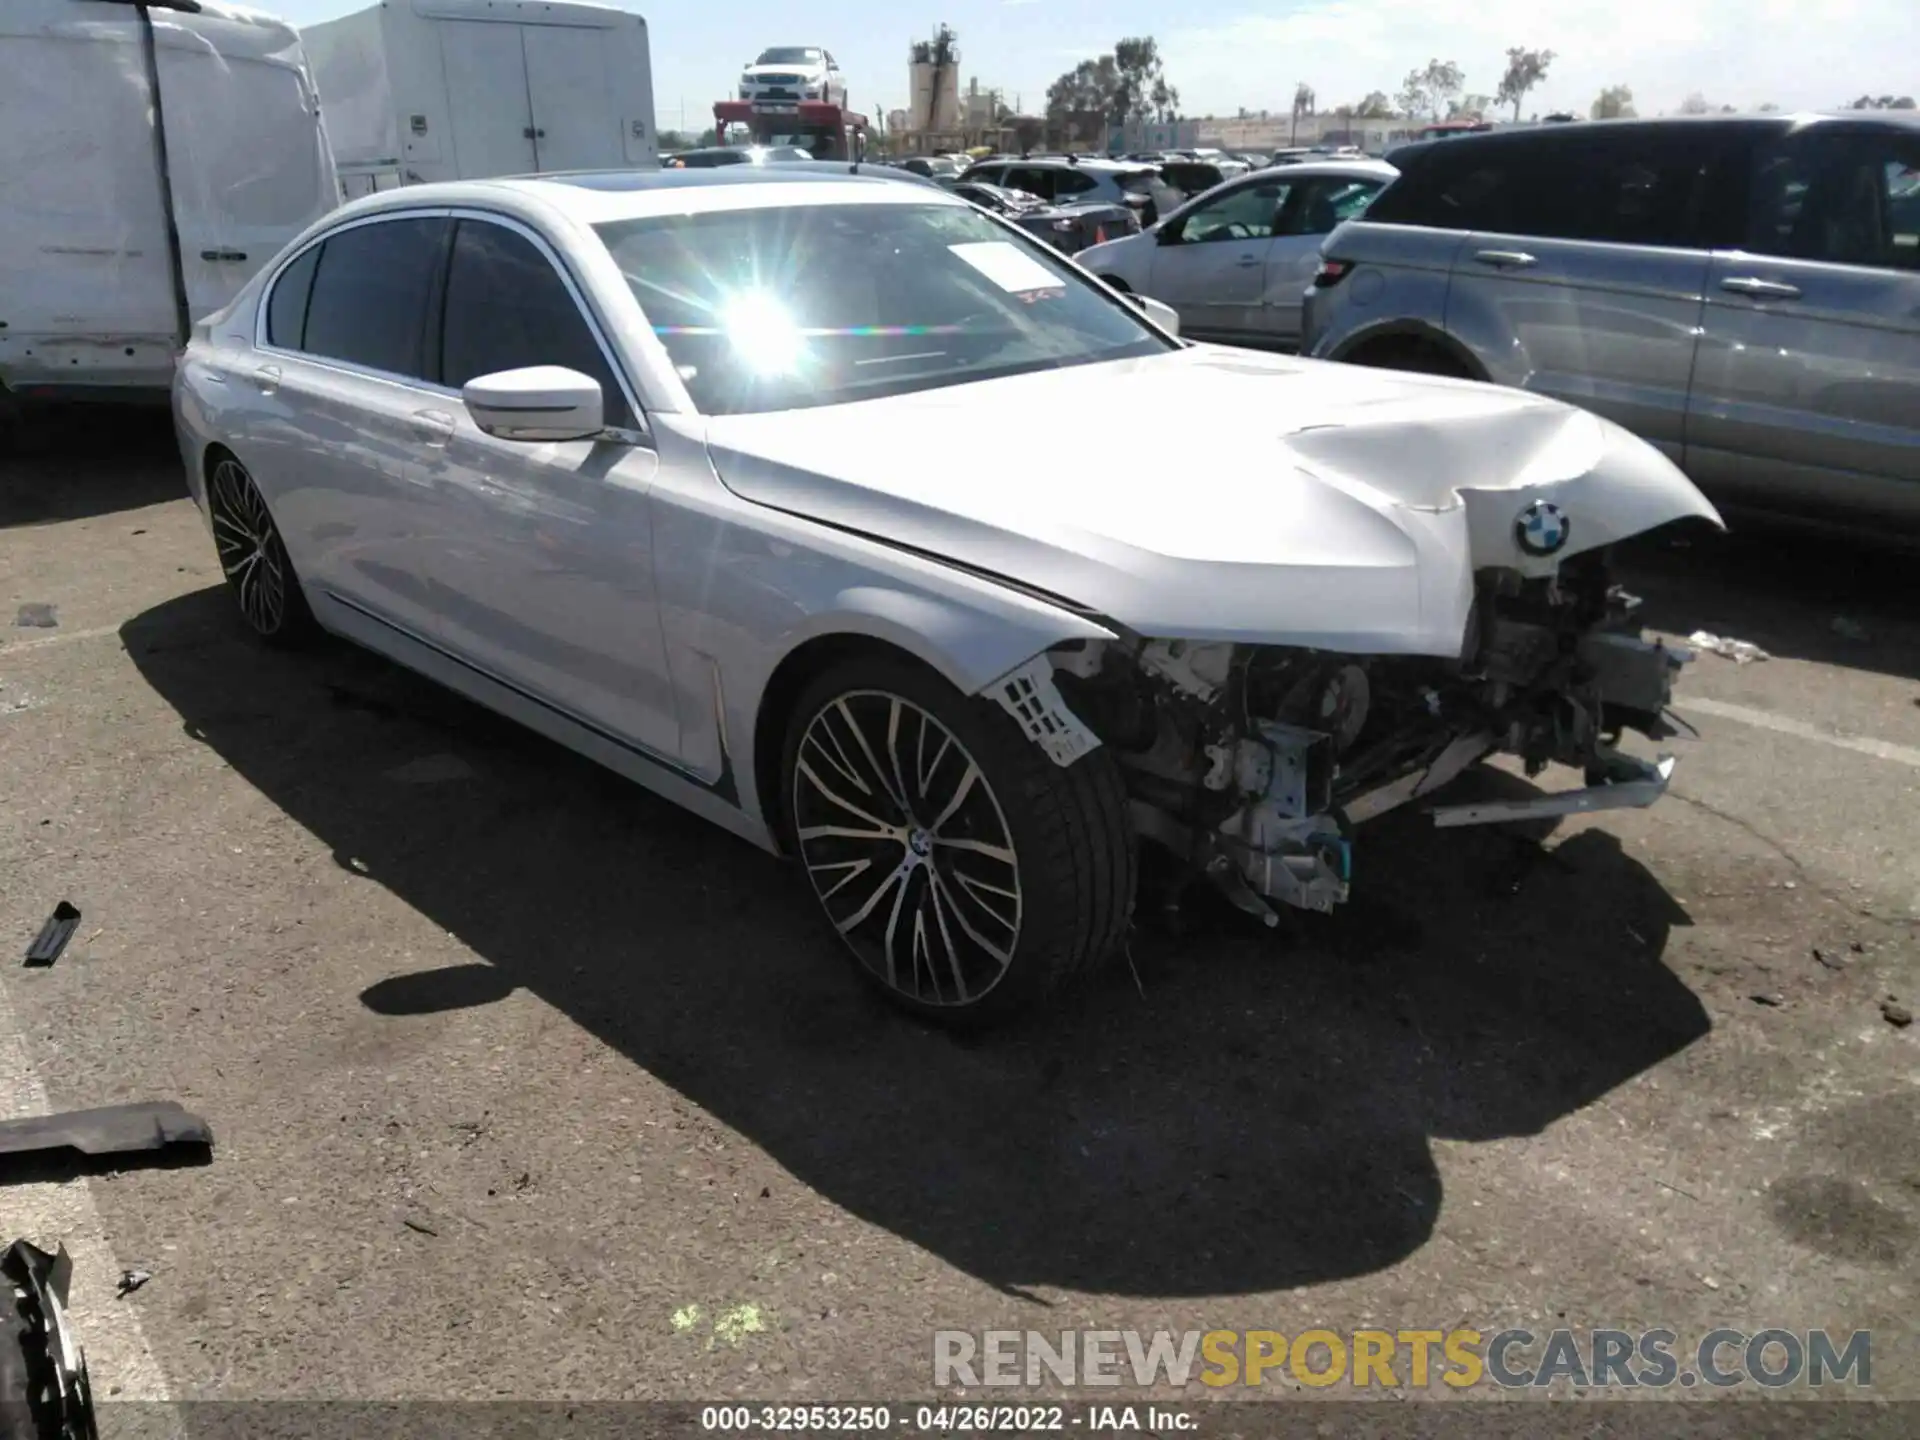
(573, 124)
(488, 108)
(1210, 262)
(543, 558)
(1805, 390)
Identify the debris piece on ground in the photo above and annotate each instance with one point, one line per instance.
(1849, 629)
(1770, 1001)
(1741, 652)
(1896, 1015)
(147, 1125)
(36, 617)
(54, 935)
(132, 1280)
(43, 1374)
(431, 770)
(419, 1225)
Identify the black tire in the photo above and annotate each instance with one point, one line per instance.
(1414, 356)
(254, 559)
(1061, 836)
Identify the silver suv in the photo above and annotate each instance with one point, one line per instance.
(1742, 292)
(1117, 182)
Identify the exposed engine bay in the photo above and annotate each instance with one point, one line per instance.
(1254, 763)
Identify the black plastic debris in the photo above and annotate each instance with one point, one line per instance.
(35, 616)
(148, 1125)
(132, 1280)
(54, 935)
(44, 1391)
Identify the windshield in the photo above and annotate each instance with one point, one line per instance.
(796, 306)
(789, 55)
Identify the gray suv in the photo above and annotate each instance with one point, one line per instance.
(1742, 292)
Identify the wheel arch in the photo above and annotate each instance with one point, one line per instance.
(1414, 332)
(968, 649)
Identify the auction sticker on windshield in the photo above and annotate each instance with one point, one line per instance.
(1002, 263)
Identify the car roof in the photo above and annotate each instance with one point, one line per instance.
(1560, 132)
(594, 197)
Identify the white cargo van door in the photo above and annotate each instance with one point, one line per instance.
(487, 98)
(576, 125)
(84, 276)
(245, 152)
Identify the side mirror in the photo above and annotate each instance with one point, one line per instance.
(1167, 232)
(1159, 312)
(541, 402)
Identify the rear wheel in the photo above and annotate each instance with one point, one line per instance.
(254, 558)
(968, 874)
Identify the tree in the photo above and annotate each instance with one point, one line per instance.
(1376, 106)
(1883, 102)
(1471, 107)
(1302, 105)
(1143, 91)
(1432, 91)
(1027, 130)
(1769, 108)
(1614, 103)
(1086, 97)
(1695, 104)
(1525, 70)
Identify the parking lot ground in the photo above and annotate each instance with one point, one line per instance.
(527, 1085)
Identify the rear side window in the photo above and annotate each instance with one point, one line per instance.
(1627, 188)
(507, 308)
(369, 301)
(1071, 182)
(287, 306)
(1451, 187)
(1031, 178)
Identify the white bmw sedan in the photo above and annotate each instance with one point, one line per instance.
(665, 466)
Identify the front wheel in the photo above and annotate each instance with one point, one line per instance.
(967, 873)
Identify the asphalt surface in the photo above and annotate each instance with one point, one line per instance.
(525, 1084)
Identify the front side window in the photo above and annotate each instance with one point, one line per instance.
(1244, 214)
(507, 308)
(791, 306)
(1851, 199)
(370, 288)
(1316, 207)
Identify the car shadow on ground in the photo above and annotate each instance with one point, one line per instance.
(1235, 1111)
(73, 462)
(1797, 595)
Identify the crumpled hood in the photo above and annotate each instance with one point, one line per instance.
(1219, 494)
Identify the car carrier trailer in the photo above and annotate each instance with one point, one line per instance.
(831, 132)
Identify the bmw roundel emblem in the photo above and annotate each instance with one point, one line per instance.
(1542, 528)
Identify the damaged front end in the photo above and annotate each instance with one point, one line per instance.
(1254, 763)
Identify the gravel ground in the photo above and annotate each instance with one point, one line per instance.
(526, 1085)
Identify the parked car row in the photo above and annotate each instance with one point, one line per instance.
(1742, 292)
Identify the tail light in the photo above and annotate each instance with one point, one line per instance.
(1331, 273)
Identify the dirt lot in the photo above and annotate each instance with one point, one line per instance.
(510, 1065)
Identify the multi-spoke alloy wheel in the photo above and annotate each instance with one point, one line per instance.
(907, 848)
(252, 556)
(965, 870)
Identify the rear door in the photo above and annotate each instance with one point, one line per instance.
(1586, 267)
(487, 101)
(1313, 208)
(1210, 262)
(575, 119)
(245, 152)
(1807, 390)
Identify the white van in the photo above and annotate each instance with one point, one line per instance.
(424, 90)
(147, 170)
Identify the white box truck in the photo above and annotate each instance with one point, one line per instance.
(152, 158)
(423, 90)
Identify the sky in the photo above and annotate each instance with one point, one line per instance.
(1233, 54)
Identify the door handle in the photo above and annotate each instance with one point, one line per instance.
(1760, 289)
(1247, 262)
(215, 256)
(1518, 259)
(267, 377)
(433, 426)
(531, 133)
